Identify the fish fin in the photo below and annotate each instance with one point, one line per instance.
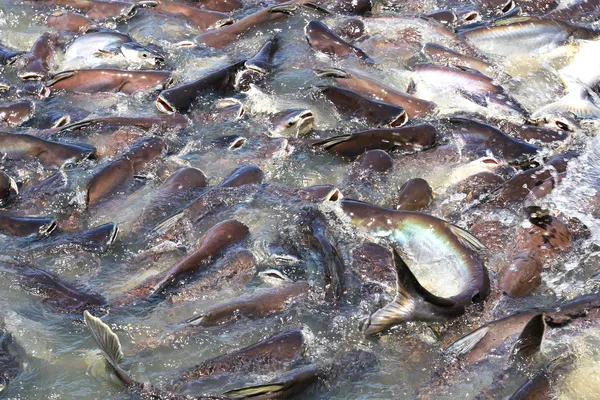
(466, 343)
(284, 9)
(411, 300)
(167, 224)
(514, 20)
(327, 144)
(317, 7)
(530, 339)
(59, 77)
(469, 70)
(109, 345)
(407, 284)
(466, 238)
(103, 53)
(332, 72)
(271, 388)
(412, 87)
(577, 102)
(479, 99)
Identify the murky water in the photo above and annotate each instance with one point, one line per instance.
(60, 360)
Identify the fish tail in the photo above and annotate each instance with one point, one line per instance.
(412, 302)
(578, 102)
(108, 342)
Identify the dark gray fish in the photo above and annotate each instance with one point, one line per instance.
(10, 366)
(481, 137)
(211, 244)
(95, 240)
(541, 386)
(374, 89)
(375, 112)
(405, 139)
(108, 80)
(8, 188)
(258, 67)
(26, 226)
(131, 163)
(181, 98)
(294, 122)
(48, 153)
(323, 39)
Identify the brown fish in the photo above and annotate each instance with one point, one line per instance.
(259, 305)
(222, 37)
(405, 139)
(415, 107)
(181, 98)
(203, 19)
(105, 181)
(105, 9)
(16, 113)
(445, 56)
(39, 61)
(259, 66)
(48, 153)
(63, 20)
(267, 355)
(213, 242)
(26, 226)
(160, 122)
(109, 80)
(221, 5)
(414, 195)
(323, 39)
(375, 112)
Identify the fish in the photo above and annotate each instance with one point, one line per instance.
(258, 67)
(374, 161)
(181, 98)
(160, 122)
(16, 113)
(541, 385)
(224, 36)
(90, 49)
(50, 154)
(108, 80)
(201, 18)
(221, 5)
(8, 188)
(367, 86)
(269, 354)
(26, 226)
(414, 195)
(578, 102)
(534, 35)
(8, 56)
(260, 305)
(39, 61)
(403, 139)
(351, 366)
(131, 163)
(455, 18)
(10, 366)
(213, 242)
(376, 113)
(483, 137)
(322, 38)
(95, 240)
(450, 58)
(414, 233)
(292, 123)
(479, 89)
(105, 10)
(110, 346)
(63, 20)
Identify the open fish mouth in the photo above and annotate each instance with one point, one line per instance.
(164, 106)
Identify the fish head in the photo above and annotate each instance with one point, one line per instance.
(292, 123)
(136, 53)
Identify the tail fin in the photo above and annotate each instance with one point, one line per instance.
(109, 344)
(467, 343)
(530, 339)
(412, 302)
(579, 101)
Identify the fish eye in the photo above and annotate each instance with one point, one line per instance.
(289, 123)
(144, 55)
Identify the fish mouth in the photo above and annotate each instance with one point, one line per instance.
(113, 235)
(223, 22)
(4, 86)
(305, 122)
(31, 76)
(62, 121)
(238, 143)
(47, 229)
(274, 275)
(470, 17)
(400, 120)
(507, 7)
(164, 106)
